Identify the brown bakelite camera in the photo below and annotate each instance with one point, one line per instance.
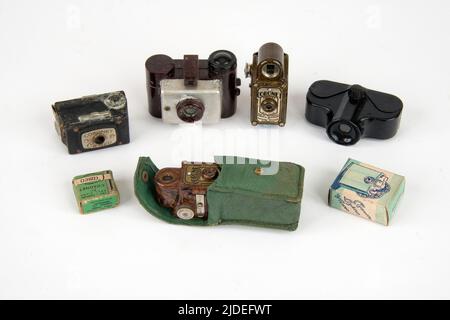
(184, 189)
(190, 90)
(269, 85)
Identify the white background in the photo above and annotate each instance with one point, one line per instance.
(58, 50)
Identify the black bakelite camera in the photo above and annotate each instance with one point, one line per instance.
(92, 122)
(350, 112)
(189, 90)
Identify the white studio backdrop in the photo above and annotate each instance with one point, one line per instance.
(58, 50)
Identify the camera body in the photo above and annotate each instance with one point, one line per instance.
(92, 122)
(184, 189)
(189, 90)
(269, 85)
(350, 112)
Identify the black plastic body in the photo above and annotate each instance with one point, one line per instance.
(75, 117)
(350, 112)
(159, 67)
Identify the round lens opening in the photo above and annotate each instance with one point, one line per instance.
(270, 70)
(221, 60)
(344, 132)
(167, 178)
(99, 139)
(344, 128)
(190, 110)
(185, 213)
(269, 105)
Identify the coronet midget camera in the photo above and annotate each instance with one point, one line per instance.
(269, 85)
(349, 112)
(92, 122)
(189, 90)
(232, 190)
(184, 189)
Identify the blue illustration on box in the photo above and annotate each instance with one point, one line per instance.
(364, 181)
(378, 187)
(352, 206)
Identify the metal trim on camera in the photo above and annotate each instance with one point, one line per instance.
(99, 138)
(190, 104)
(190, 90)
(269, 85)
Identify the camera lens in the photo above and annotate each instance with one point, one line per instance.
(185, 213)
(270, 70)
(99, 139)
(344, 132)
(167, 178)
(269, 105)
(344, 128)
(221, 60)
(190, 110)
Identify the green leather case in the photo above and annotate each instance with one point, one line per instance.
(247, 191)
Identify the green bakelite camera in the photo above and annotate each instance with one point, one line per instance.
(231, 190)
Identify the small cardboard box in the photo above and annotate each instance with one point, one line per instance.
(95, 191)
(366, 191)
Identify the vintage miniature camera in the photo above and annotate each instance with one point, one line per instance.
(350, 112)
(269, 85)
(184, 189)
(92, 122)
(189, 89)
(232, 190)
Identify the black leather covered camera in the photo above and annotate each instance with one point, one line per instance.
(189, 89)
(350, 112)
(92, 122)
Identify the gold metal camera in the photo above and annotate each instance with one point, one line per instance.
(269, 85)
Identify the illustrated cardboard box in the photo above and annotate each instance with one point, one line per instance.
(367, 191)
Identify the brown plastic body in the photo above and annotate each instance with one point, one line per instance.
(262, 86)
(159, 67)
(178, 187)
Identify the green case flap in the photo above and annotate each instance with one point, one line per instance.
(277, 180)
(239, 195)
